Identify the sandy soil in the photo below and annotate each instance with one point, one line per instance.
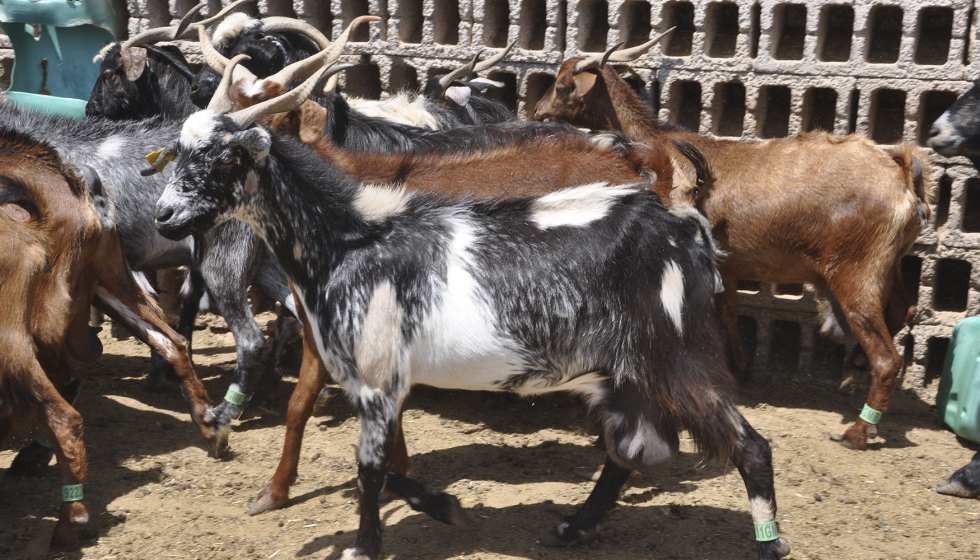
(154, 493)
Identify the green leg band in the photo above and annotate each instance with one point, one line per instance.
(43, 440)
(71, 492)
(765, 532)
(870, 415)
(234, 397)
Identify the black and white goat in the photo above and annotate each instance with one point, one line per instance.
(596, 290)
(465, 98)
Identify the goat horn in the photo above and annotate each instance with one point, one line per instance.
(328, 81)
(458, 73)
(597, 61)
(220, 102)
(217, 61)
(277, 23)
(306, 67)
(633, 53)
(184, 33)
(493, 60)
(168, 33)
(284, 103)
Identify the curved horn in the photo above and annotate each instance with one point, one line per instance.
(220, 102)
(277, 23)
(328, 81)
(184, 33)
(306, 67)
(597, 61)
(493, 60)
(216, 60)
(458, 73)
(633, 53)
(285, 102)
(168, 33)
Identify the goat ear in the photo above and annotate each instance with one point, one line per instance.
(459, 94)
(313, 117)
(255, 140)
(97, 194)
(134, 62)
(584, 83)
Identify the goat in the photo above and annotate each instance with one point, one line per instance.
(512, 295)
(837, 213)
(62, 255)
(465, 97)
(138, 80)
(956, 133)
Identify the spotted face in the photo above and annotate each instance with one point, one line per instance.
(957, 131)
(215, 177)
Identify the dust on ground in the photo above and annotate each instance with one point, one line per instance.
(154, 493)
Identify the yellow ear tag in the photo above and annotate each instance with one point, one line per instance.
(158, 163)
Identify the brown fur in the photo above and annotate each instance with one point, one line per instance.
(835, 212)
(81, 254)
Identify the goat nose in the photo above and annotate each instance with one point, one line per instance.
(164, 214)
(934, 131)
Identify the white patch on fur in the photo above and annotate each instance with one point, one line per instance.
(403, 108)
(197, 127)
(639, 439)
(111, 148)
(231, 27)
(97, 59)
(290, 304)
(459, 94)
(377, 203)
(672, 295)
(577, 206)
(353, 554)
(165, 344)
(297, 251)
(378, 348)
(761, 510)
(143, 282)
(604, 141)
(458, 344)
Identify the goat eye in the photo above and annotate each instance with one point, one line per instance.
(228, 160)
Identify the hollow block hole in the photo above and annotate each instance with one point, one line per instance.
(721, 29)
(932, 35)
(729, 109)
(679, 15)
(944, 194)
(834, 33)
(749, 286)
(887, 116)
(496, 22)
(318, 15)
(562, 24)
(282, 8)
(533, 24)
(819, 109)
(655, 96)
(931, 106)
(685, 104)
(784, 347)
(789, 31)
(971, 208)
(351, 9)
(634, 22)
(853, 104)
(403, 78)
(787, 289)
(507, 94)
(158, 12)
(410, 21)
(364, 81)
(885, 34)
(774, 107)
(911, 276)
(593, 25)
(445, 24)
(537, 85)
(828, 357)
(748, 332)
(755, 29)
(936, 350)
(952, 285)
(968, 36)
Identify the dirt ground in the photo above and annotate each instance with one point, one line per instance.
(154, 493)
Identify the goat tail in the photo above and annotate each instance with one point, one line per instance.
(917, 173)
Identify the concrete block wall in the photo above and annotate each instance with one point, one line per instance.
(747, 70)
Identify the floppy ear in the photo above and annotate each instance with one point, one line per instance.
(313, 117)
(97, 194)
(134, 62)
(459, 94)
(584, 83)
(255, 140)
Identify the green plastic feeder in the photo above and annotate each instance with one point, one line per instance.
(958, 399)
(54, 42)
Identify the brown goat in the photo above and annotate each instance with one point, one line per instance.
(834, 212)
(67, 212)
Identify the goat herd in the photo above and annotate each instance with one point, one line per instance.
(434, 239)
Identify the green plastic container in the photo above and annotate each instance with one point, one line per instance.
(958, 400)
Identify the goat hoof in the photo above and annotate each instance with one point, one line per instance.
(565, 536)
(854, 438)
(268, 500)
(588, 473)
(354, 554)
(31, 460)
(956, 488)
(773, 550)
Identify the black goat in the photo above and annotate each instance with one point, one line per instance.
(465, 97)
(597, 290)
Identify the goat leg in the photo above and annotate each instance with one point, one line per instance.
(754, 462)
(965, 483)
(32, 459)
(161, 372)
(582, 527)
(728, 307)
(288, 330)
(437, 505)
